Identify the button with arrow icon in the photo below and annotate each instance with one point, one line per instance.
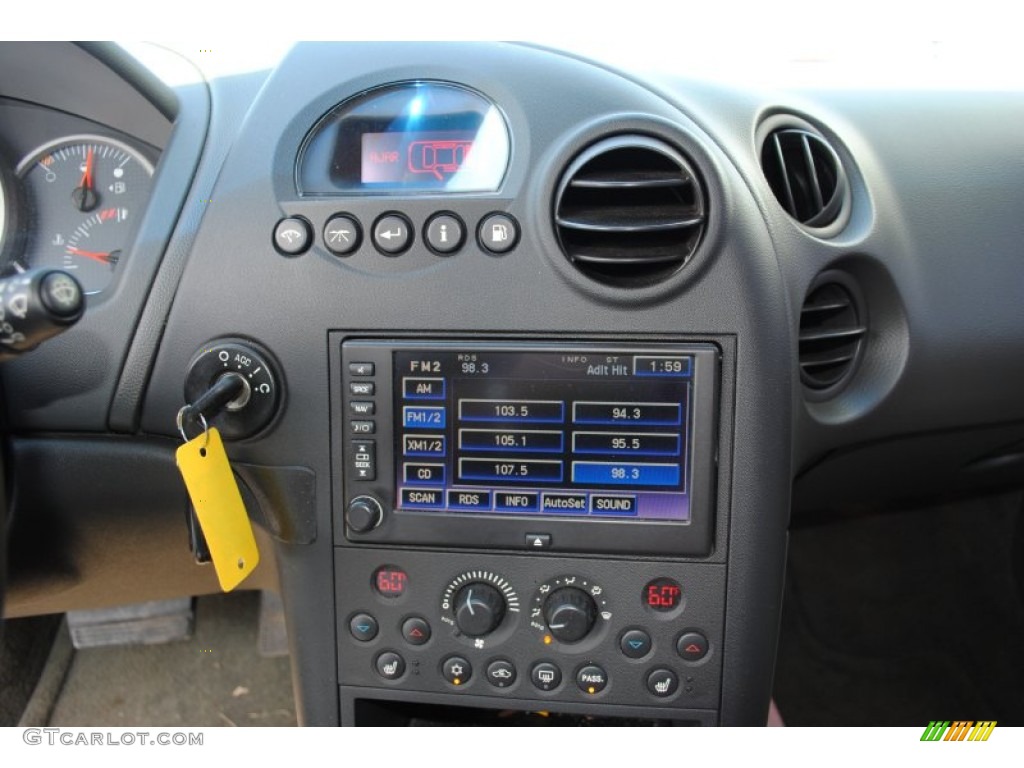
(392, 234)
(415, 630)
(692, 645)
(363, 627)
(342, 234)
(635, 643)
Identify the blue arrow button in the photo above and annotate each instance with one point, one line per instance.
(634, 644)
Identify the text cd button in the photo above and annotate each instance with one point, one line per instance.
(416, 497)
(418, 388)
(469, 500)
(515, 501)
(423, 417)
(603, 504)
(423, 445)
(564, 503)
(424, 474)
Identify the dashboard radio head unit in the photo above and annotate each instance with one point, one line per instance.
(571, 447)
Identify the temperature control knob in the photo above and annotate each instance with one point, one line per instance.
(479, 609)
(570, 614)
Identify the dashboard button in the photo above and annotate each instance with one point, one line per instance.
(363, 627)
(390, 665)
(635, 643)
(362, 388)
(362, 407)
(363, 427)
(546, 676)
(392, 234)
(342, 234)
(501, 673)
(692, 646)
(538, 540)
(498, 233)
(456, 670)
(364, 459)
(292, 236)
(662, 682)
(591, 679)
(361, 369)
(444, 234)
(415, 630)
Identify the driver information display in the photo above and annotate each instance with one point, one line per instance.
(601, 434)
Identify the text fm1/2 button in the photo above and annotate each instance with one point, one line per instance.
(415, 630)
(392, 234)
(456, 670)
(444, 234)
(546, 676)
(362, 407)
(362, 388)
(342, 234)
(364, 459)
(390, 665)
(363, 427)
(501, 673)
(498, 233)
(591, 679)
(292, 236)
(662, 682)
(361, 369)
(363, 627)
(635, 644)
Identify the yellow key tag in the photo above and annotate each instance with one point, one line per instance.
(211, 486)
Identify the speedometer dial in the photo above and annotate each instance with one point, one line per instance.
(85, 194)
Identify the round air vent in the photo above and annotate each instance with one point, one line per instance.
(805, 175)
(630, 211)
(832, 331)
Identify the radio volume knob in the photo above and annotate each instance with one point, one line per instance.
(479, 609)
(364, 513)
(570, 614)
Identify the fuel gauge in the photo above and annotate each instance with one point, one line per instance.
(84, 194)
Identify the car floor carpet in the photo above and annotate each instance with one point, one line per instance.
(905, 617)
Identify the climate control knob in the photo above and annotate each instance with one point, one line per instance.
(570, 614)
(479, 609)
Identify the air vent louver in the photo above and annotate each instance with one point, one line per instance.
(831, 334)
(805, 174)
(630, 211)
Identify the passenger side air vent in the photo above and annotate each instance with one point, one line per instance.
(805, 175)
(630, 211)
(832, 331)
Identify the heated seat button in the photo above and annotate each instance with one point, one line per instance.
(415, 630)
(456, 670)
(390, 665)
(501, 673)
(546, 676)
(591, 678)
(363, 627)
(662, 682)
(635, 643)
(692, 646)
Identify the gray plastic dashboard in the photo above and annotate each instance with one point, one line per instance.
(932, 243)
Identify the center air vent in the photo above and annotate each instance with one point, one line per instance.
(805, 174)
(630, 211)
(832, 330)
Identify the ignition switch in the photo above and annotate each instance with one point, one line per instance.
(255, 385)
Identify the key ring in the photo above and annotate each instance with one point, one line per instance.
(180, 422)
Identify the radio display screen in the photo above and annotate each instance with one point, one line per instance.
(544, 433)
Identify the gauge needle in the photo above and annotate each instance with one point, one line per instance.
(103, 258)
(84, 196)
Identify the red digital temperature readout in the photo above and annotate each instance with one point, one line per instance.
(390, 581)
(663, 594)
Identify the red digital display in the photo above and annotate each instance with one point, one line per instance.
(663, 594)
(421, 157)
(390, 581)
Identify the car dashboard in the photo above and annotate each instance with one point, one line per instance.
(542, 359)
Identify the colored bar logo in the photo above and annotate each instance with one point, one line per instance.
(958, 730)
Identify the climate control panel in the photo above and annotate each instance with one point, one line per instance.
(530, 629)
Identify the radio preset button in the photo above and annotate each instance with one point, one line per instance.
(364, 459)
(360, 369)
